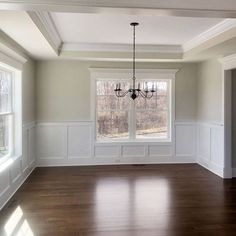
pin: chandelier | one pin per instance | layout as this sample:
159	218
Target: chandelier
133	91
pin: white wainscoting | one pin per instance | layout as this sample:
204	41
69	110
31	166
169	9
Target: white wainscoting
13	176
234	172
72	143
210	147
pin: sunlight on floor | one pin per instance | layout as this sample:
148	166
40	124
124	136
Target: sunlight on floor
17	225
121	202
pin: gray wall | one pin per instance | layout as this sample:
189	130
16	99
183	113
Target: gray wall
209	91
63	88
28	92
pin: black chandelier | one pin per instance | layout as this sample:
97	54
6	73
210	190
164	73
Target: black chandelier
133	91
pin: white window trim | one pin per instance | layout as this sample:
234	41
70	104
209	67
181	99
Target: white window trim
141	74
16	133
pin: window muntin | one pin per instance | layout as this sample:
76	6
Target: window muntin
6	113
126	120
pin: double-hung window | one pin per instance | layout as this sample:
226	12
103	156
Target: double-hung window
6	113
124	119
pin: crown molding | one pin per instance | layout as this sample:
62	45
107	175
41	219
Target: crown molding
203	8
48	29
9	49
228	62
124	70
102	47
211	33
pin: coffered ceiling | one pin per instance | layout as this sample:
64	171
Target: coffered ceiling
116	29
88	31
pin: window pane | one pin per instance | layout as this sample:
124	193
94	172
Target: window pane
159	100
107	87
151	124
4	135
5	92
112	125
111	102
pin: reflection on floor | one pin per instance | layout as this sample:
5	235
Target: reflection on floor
152	200
17	224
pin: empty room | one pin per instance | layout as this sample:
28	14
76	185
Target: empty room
117	118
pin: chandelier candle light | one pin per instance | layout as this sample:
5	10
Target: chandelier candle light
133	91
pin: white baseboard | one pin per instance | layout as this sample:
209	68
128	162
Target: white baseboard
216	169
92	161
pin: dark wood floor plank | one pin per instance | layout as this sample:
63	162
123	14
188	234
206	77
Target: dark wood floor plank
155	200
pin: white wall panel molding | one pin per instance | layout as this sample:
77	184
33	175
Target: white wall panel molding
73	143
185	140
79	140
4	183
210	147
14	175
234	172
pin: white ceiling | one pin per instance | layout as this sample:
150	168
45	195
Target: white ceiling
19	26
115	29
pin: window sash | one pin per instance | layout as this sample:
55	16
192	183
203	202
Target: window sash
132	112
11	74
10	137
10	115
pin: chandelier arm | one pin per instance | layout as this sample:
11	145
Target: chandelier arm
119	94
150	96
145	94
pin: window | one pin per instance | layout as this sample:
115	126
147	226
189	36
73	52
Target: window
122	119
6	113
10	113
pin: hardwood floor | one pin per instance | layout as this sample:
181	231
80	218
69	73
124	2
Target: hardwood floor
155	200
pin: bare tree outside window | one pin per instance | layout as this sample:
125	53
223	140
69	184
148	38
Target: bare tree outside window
5	111
112	112
114	116
152	114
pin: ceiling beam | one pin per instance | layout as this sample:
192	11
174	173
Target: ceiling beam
106	47
120	56
201	8
48	29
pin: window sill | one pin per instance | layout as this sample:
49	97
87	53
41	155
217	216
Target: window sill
8	162
135	142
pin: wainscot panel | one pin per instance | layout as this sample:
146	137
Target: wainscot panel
73	143
12	177
210	147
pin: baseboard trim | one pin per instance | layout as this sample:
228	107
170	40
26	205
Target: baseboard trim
93	161
218	170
